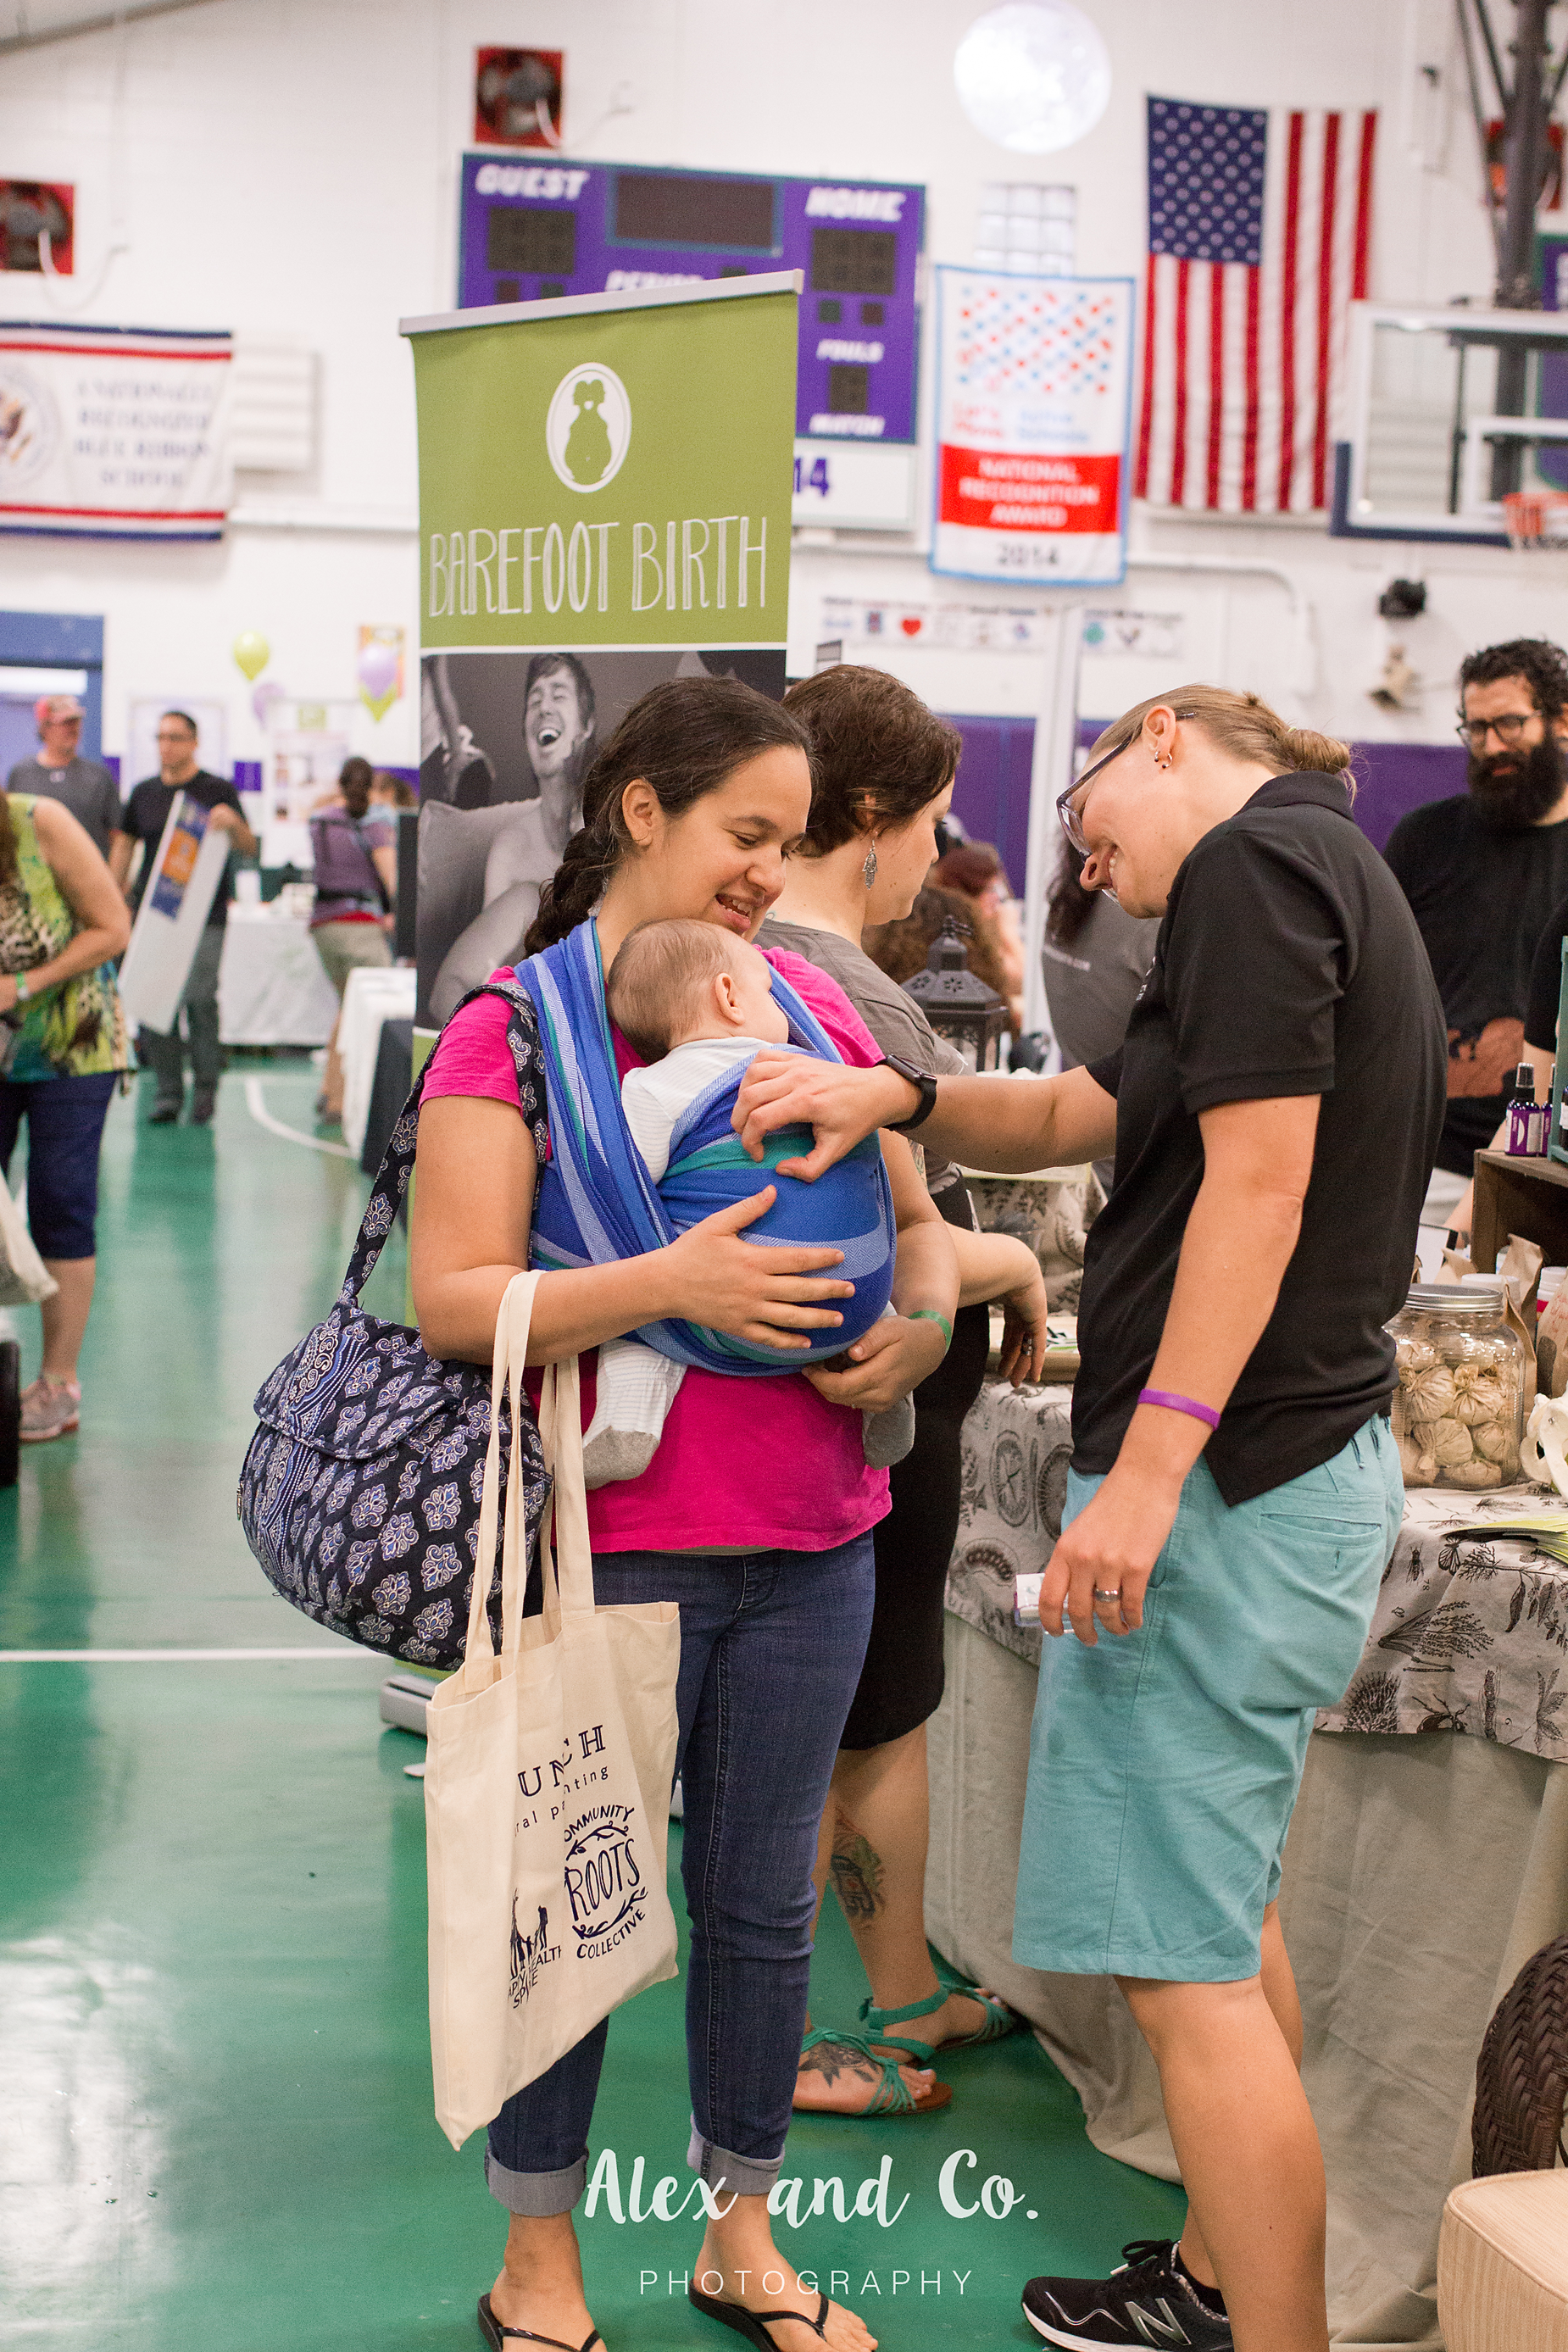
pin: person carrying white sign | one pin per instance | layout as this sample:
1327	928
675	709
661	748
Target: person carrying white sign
146	815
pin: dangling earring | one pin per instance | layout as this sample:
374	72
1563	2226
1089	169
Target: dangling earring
869	871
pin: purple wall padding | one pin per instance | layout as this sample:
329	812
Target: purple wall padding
991	793
1391	779
247	776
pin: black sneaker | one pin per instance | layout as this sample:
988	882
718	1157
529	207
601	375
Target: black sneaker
203	1102
1146	2304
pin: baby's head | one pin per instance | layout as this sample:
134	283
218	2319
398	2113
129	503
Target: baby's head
677	980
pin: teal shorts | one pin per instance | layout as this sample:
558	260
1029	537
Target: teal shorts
1165	1764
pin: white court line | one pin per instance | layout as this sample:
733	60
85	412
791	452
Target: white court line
255	1104
160	1658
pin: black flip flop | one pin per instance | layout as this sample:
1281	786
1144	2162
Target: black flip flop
753	2324
494	2332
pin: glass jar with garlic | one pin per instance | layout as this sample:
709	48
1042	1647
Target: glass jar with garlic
1459	1411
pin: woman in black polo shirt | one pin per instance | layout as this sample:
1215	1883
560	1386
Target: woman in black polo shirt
1234	1495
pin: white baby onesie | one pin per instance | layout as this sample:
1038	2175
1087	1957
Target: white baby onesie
637	1385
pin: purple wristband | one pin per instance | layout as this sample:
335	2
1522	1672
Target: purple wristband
1174	1403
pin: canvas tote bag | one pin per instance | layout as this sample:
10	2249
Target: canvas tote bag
24	1279
547	1785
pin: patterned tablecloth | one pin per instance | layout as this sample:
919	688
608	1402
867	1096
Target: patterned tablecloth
1470	1636
1052	1211
1017	1443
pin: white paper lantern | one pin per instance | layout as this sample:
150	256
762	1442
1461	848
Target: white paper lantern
1033	74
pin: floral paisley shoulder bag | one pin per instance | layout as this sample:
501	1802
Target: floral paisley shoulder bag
362	1488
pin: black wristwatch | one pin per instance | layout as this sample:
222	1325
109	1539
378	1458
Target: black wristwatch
917	1077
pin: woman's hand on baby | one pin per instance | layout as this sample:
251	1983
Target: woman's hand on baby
1024	1335
842	1104
772	1297
894	1357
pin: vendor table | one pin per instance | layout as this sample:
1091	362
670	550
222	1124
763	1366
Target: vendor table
272	989
389	1091
1427	1860
374	994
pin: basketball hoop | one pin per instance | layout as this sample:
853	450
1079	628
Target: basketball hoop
1536	518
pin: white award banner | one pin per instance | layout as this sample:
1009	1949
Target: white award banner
114	432
169	924
1034	403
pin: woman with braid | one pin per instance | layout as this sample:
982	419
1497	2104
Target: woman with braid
755	1514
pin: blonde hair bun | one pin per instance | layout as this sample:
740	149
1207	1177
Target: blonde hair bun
1242	724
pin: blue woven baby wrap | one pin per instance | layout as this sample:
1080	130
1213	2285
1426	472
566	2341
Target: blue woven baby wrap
598	1203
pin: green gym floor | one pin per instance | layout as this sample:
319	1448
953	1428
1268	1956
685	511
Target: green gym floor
215	2125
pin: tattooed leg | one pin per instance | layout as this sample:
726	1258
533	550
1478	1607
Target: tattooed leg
881	1806
857	1870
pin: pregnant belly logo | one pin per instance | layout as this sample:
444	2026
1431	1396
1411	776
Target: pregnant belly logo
588	427
603	1883
529	1953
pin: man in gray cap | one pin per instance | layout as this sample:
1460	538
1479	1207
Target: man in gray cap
59	773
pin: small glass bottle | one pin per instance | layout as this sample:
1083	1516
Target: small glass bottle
1527	1119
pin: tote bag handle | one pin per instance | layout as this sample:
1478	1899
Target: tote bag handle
569	1584
512	1319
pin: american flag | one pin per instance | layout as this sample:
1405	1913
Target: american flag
1260	233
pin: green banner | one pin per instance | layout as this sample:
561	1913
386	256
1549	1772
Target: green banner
604	491
610	476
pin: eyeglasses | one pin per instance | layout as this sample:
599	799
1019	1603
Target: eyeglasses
1509	729
1070	809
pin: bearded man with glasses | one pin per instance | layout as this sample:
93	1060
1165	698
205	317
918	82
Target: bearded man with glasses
1484	871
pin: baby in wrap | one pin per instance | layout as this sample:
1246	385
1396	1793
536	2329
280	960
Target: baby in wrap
697	1003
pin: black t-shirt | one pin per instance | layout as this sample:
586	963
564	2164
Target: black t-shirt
147	813
1481	897
1546	984
1286	963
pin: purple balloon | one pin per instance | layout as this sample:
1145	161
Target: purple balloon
263	696
378	667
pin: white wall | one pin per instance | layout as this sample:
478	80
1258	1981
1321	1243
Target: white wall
290	169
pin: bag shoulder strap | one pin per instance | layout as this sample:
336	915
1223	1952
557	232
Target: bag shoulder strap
397	1164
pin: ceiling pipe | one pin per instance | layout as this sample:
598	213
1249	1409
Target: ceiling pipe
105	21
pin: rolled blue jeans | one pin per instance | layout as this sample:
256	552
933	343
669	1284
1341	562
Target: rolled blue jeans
771	1648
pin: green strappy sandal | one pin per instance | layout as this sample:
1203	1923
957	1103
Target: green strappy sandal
892	2096
1000	2020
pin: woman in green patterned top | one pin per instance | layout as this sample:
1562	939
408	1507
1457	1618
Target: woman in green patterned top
62	1048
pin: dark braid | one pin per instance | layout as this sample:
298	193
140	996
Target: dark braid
592	856
683	739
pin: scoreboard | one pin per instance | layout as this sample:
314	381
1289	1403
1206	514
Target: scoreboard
532	230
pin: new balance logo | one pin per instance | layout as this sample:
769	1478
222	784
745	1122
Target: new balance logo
1166	2330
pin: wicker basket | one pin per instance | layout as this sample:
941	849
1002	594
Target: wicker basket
1522	2076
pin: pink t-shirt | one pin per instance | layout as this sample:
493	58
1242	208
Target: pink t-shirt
762	1464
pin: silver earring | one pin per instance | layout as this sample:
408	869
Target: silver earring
1164	762
869	871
